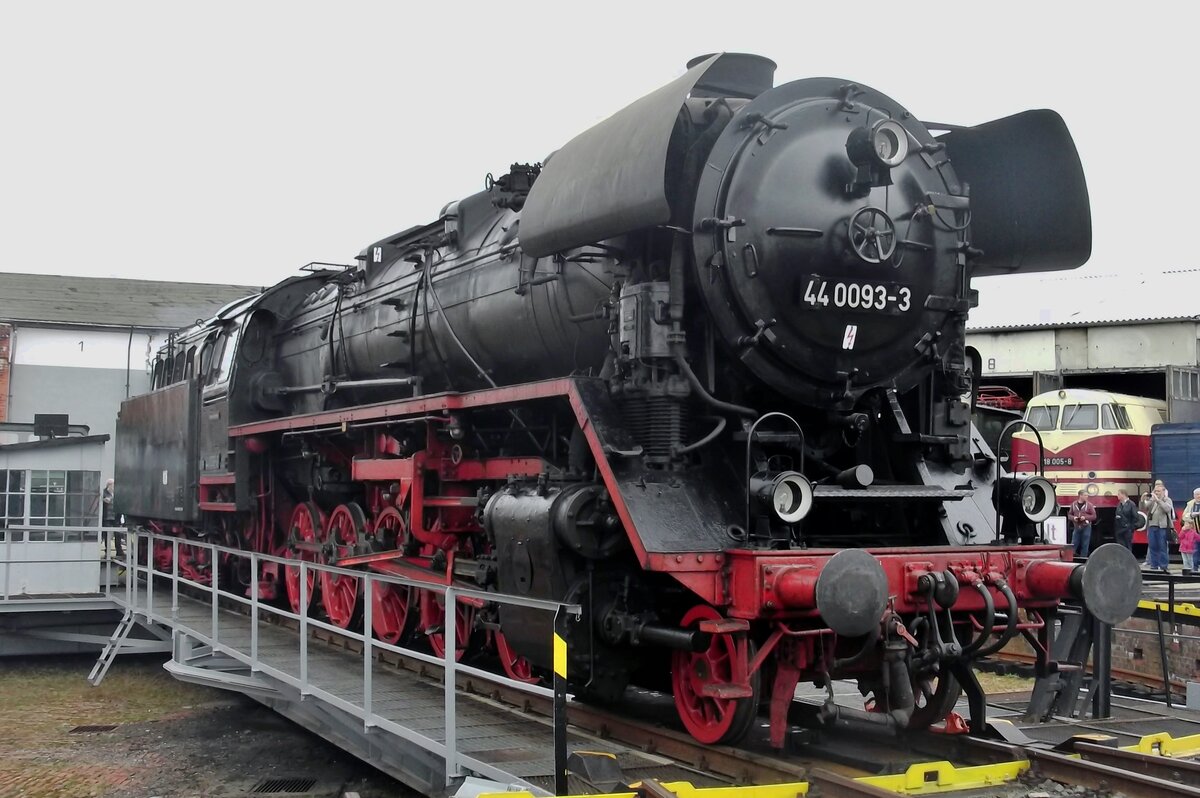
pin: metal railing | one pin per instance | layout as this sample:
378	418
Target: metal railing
1172	581
139	574
20	535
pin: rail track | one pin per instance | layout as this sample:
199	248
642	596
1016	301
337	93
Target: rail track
1024	664
985	767
1098	767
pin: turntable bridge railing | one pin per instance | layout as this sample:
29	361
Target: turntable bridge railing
230	635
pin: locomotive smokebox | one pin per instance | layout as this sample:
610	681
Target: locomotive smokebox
734	75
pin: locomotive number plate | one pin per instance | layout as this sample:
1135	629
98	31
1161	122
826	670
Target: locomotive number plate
872	297
1058	461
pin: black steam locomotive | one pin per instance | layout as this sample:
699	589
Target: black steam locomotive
703	371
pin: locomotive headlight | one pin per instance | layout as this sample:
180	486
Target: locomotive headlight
789	494
1092	489
1031	497
883	144
890	142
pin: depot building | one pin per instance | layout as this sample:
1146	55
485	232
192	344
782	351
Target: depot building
1132	334
79	346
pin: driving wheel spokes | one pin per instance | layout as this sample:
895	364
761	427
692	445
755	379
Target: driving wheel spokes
515	666
164	554
341	593
433	621
696	678
393	612
304	527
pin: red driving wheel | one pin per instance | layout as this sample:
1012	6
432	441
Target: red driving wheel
708	718
163	553
194	564
340	593
305	527
515	666
433	617
390	604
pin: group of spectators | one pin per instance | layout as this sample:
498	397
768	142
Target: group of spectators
1160	526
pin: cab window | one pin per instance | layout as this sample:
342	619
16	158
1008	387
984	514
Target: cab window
189	369
220	362
177	365
232	333
213	352
1080	417
157	381
1042	417
1107	419
1122	417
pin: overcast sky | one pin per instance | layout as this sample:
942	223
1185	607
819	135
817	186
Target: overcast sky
236	141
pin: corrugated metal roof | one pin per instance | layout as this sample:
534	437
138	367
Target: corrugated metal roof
156	304
1068	299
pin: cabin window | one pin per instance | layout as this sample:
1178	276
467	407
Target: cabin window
1107	419
189	370
1080	417
220	362
231	342
1042	417
212	359
49	498
156	381
178	363
1122	417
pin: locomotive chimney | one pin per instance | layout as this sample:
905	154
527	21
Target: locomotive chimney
734	75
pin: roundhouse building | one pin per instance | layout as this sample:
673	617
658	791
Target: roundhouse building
1135	333
81	345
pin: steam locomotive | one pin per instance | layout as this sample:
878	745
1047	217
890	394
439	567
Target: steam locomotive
703	372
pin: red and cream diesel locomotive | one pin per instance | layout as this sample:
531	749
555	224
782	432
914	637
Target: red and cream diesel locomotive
1093	441
703	372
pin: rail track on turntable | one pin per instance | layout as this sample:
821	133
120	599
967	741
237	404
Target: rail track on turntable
832	764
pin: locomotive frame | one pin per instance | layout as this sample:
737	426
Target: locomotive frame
622	395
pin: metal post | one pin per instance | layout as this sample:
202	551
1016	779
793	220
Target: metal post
1171	603
131	558
560	702
450	685
1102	670
216	591
8	536
1162	655
253	612
107	564
150	582
174	579
303	627
368	654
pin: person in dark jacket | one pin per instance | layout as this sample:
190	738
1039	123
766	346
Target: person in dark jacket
1082	515
1125	520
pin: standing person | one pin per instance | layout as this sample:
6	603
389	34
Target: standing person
1161	514
1192	508
109	517
1125	520
106	516
1188	538
1082	515
113	544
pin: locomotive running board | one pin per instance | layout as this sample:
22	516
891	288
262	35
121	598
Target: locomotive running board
670	520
